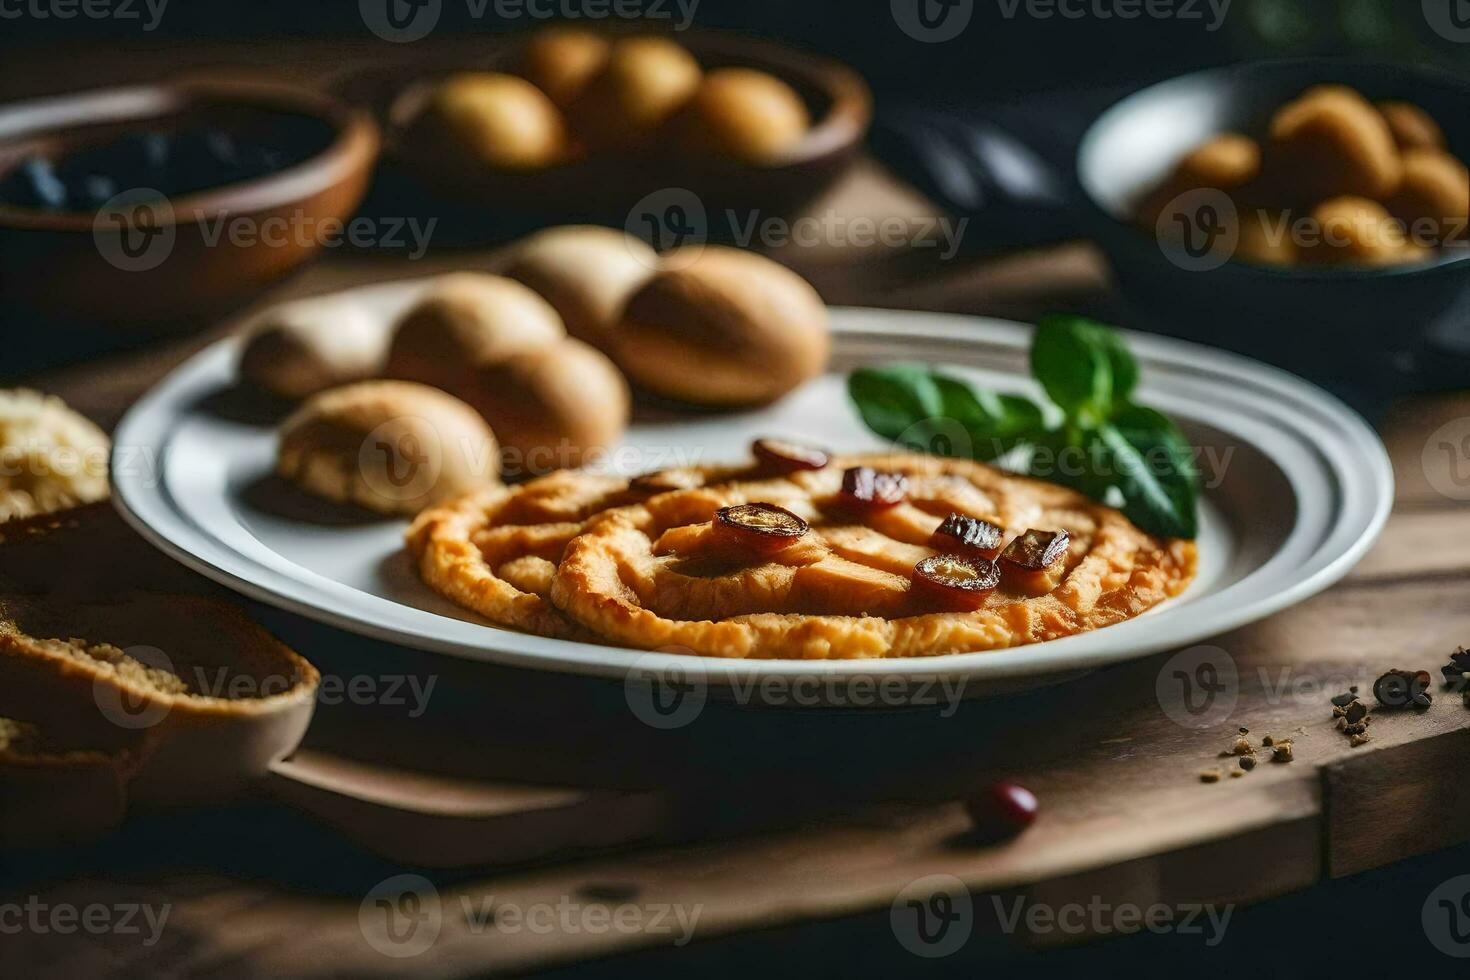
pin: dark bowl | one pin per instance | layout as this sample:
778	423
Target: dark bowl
142	260
1348	323
604	187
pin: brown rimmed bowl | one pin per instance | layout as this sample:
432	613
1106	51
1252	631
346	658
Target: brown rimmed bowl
149	261
605	186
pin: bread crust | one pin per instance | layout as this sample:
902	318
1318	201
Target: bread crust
111	695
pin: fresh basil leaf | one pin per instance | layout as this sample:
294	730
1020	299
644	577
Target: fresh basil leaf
994	423
1084	366
1073	458
942	415
1116	452
1153	465
893	399
1120	359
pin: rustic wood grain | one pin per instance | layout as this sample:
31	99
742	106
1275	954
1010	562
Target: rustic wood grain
1399	800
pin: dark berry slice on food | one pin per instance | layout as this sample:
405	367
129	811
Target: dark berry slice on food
956	581
868	489
968	536
784	456
1033	563
760	525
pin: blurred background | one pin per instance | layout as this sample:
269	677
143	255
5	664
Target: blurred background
1039	70
1001	53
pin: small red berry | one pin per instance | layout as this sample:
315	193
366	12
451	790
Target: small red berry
1002	810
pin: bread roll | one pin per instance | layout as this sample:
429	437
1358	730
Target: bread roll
393	447
299	349
586	273
551	406
465	320
727	328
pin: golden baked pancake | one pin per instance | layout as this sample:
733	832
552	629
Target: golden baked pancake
891	555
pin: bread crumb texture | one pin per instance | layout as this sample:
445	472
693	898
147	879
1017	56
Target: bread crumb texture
51	458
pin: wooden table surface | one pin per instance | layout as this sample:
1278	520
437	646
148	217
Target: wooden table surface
258	889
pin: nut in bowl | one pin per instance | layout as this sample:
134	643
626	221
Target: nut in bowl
1332	182
1242	261
595	122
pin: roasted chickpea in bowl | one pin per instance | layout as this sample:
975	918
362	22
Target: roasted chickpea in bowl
1342	181
1255	267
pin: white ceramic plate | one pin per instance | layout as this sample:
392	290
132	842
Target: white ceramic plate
1299	488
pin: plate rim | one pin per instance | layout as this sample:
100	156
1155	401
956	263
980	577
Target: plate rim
131	498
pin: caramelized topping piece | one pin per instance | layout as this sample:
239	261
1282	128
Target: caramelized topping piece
968	535
1036	550
788	457
1032	564
956	581
763	524
869	489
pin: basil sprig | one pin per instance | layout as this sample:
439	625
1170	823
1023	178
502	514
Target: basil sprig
1104	444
